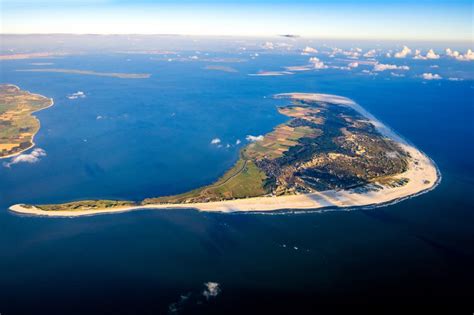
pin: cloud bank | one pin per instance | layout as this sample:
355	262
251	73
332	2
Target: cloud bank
468	56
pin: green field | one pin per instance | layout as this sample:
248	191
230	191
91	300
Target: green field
17	124
243	180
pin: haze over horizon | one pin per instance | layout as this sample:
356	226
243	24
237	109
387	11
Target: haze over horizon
340	19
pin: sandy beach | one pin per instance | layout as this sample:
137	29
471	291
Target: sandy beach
422	174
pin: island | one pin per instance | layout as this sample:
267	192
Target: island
329	154
88	72
35	55
18	126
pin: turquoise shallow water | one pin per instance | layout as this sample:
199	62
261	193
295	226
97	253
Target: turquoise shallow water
132	139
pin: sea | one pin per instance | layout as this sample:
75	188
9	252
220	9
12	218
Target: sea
135	138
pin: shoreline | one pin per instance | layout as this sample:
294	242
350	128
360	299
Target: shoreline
422	173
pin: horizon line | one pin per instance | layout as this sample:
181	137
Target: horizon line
288	36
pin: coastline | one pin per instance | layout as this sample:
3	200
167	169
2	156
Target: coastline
422	173
33	144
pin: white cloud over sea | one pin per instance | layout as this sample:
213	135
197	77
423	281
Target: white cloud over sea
251	138
76	95
216	141
431	76
468	56
431	54
32	157
317	64
383	67
403	53
211	290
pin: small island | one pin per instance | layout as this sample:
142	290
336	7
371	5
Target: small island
331	153
18	126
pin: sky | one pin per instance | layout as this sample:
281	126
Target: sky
339	19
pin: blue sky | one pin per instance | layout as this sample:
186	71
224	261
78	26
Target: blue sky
366	19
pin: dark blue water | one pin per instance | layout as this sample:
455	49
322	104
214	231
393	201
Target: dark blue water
153	138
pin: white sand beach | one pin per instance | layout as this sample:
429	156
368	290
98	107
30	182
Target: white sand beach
421	173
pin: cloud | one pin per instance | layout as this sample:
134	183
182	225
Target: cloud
399	75
455	79
32	157
352	54
270	73
216	141
237	142
212	289
429	55
268	45
353	65
310	50
382	67
403	53
370	54
317	64
251	138
431	76
468	56
78	94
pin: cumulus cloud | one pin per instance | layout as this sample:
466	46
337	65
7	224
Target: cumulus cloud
352	54
216	141
310	50
429	55
251	138
78	94
382	67
403	53
452	53
212	290
468	56
353	65
32	157
431	76
317	64
370	54
237	142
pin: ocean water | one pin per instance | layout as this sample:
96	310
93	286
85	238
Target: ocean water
131	139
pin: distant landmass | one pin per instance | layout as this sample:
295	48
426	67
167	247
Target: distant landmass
330	153
32	55
17	124
87	72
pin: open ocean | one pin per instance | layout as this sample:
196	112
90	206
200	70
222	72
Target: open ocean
131	139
